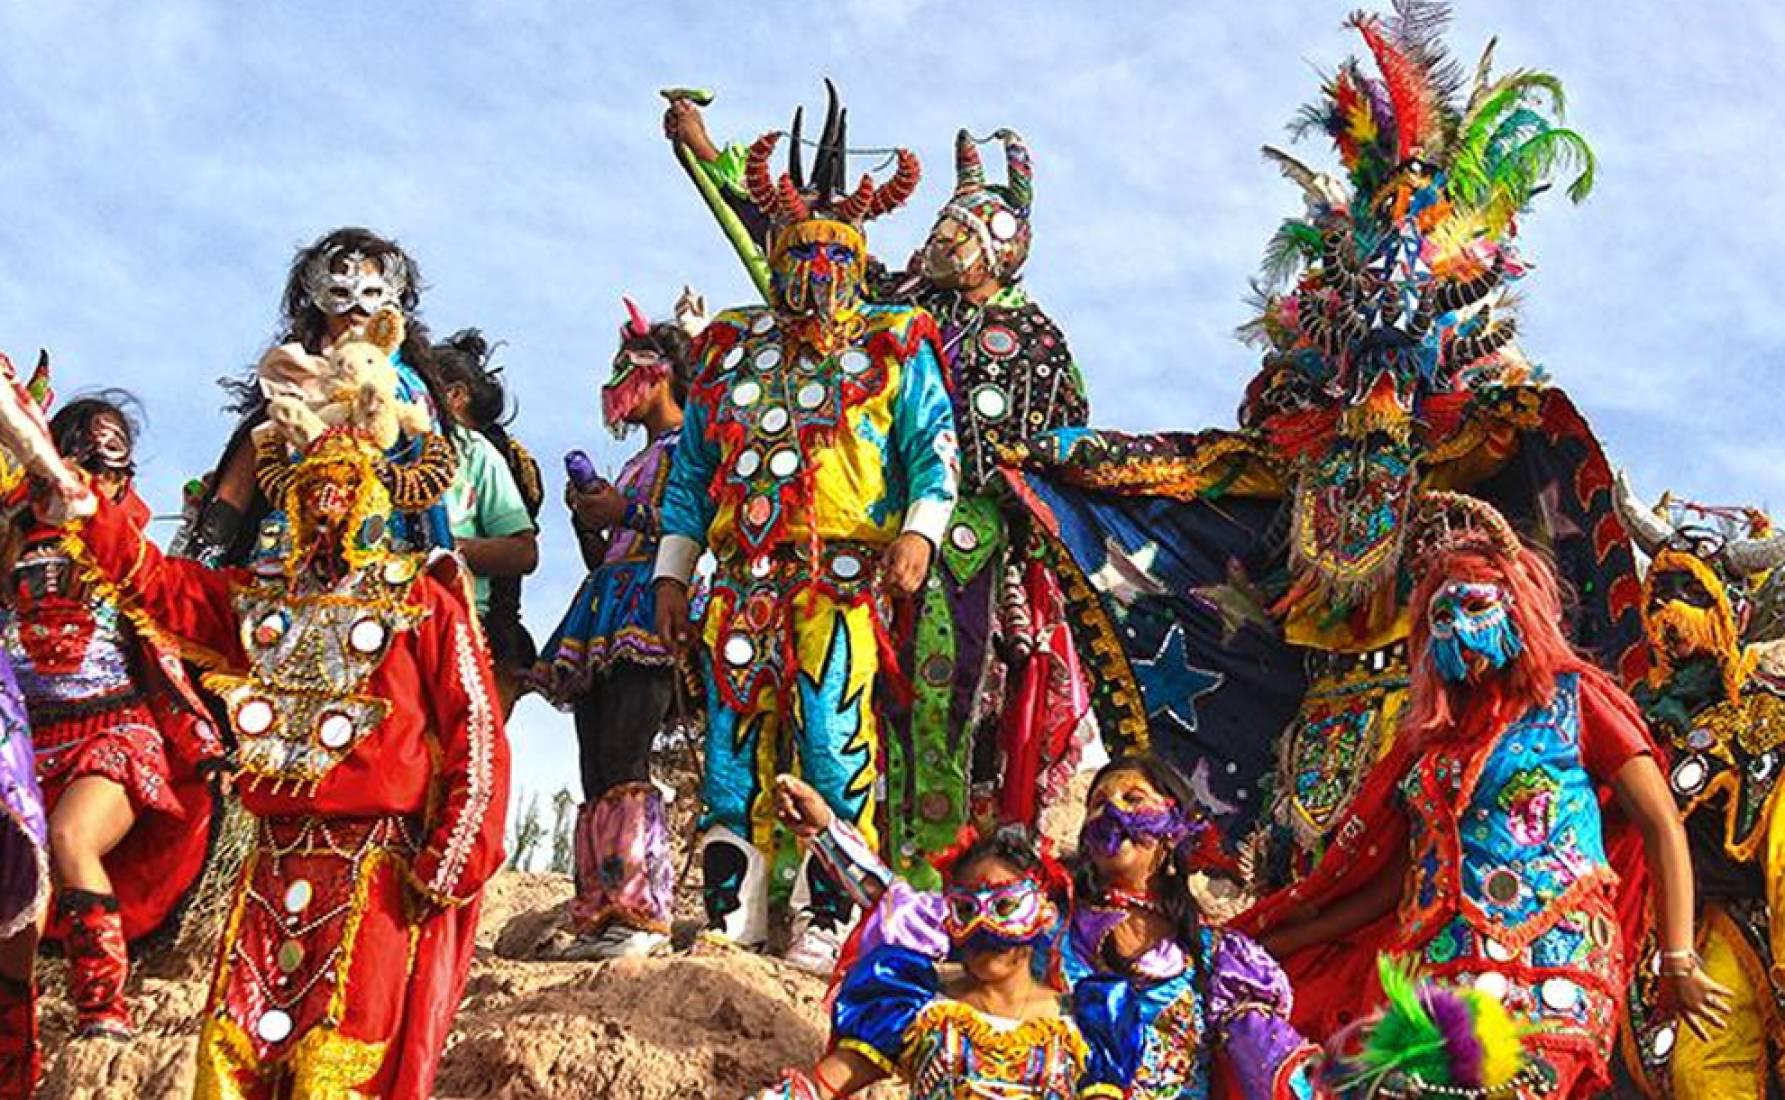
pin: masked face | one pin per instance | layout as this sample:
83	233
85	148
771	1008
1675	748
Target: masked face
638	372
1685	618
1130	826
954	257
340	282
996	912
1472	631
819	278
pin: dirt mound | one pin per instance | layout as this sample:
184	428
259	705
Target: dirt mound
709	1022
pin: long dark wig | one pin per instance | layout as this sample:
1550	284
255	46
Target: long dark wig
464	359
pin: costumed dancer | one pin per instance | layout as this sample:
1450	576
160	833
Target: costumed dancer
123	745
1151	895
493	504
1389	365
995	691
335	286
1721	718
999	1027
371	751
24	872
819	465
1478	848
606	663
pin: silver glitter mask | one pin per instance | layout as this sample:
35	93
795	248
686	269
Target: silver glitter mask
338	282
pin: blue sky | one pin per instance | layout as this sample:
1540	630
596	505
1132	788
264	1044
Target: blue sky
160	163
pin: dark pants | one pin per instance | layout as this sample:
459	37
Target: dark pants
616	722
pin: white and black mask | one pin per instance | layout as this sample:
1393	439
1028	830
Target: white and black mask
344	282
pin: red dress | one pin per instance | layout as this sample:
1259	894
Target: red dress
373	754
105	700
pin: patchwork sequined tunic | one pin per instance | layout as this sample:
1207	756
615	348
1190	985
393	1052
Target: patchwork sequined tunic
372	754
104	701
1010	376
1510	888
797	471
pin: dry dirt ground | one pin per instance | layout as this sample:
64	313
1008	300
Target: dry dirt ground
704	1022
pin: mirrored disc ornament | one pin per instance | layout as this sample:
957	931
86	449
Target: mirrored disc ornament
746	393
757	511
774	421
811	396
784	463
367	636
1004	225
1661	1042
1689	775
739	650
291	956
1492	984
998	342
298	895
733	357
761	567
271	627
255	717
768	358
1502	886
854	361
1700	739
965	538
1498	951
274	1026
399	570
1559	994
748	463
335	731
762	323
846	566
990	402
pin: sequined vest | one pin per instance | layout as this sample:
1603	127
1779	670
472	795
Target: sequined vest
1527	842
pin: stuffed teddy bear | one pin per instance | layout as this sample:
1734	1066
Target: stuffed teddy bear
352	385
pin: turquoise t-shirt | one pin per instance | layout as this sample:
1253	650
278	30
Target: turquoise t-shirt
483	501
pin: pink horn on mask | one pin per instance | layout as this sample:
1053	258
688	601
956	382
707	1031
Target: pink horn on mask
637	324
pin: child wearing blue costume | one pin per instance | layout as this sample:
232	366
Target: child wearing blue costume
987	1027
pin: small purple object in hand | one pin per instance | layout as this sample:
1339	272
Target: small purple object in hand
582	472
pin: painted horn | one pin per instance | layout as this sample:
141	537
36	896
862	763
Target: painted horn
1748	557
969	170
1019	175
637	324
1647	529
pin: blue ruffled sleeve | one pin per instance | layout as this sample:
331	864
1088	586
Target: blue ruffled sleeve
1108	1017
878	1000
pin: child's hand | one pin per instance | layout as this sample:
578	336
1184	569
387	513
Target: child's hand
800	807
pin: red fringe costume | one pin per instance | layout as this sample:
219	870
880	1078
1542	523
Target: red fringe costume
372	752
106	700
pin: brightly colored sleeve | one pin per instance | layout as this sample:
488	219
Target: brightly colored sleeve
1108	1017
879	999
851	862
1249	1006
688	507
463	845
929	452
184	604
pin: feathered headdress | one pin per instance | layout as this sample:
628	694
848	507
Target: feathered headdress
1416	241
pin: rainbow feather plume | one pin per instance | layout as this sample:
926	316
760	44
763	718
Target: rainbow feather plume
1439	1034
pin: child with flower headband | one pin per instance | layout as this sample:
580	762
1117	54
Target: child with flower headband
992	1027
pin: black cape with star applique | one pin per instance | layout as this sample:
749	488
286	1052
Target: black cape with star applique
1172	547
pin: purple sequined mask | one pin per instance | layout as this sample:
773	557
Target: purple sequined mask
1103	835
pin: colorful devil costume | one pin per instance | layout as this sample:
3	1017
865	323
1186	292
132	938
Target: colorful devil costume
371	751
1722	721
1389	366
816	433
1509	881
107	699
607	666
1010	376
